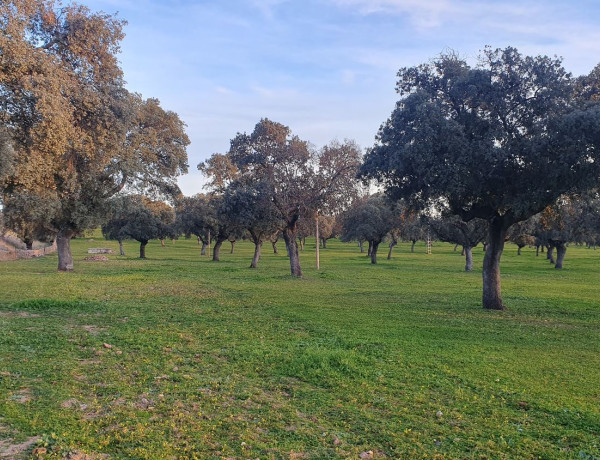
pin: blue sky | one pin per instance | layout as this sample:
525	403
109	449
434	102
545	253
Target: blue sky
325	68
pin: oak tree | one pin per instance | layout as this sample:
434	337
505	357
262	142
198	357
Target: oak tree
499	141
79	136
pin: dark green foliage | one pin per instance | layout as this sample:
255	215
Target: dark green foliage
138	218
500	142
369	220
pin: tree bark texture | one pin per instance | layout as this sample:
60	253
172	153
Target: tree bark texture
392	244
275	250
561	250
468	252
370	249
121	250
360	245
63	245
203	250
374	248
217	250
143	244
256	258
492	296
290	235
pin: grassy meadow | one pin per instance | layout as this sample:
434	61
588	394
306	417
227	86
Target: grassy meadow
180	357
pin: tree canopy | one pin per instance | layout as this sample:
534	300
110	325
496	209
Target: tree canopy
298	179
499	141
79	136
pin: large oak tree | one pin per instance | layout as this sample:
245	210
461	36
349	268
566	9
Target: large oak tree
499	141
79	136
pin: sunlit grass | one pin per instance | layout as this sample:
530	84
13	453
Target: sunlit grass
180	357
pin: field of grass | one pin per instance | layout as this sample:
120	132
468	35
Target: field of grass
180	357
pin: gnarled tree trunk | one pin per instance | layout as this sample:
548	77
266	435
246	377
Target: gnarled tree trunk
275	250
143	244
256	258
373	251
468	252
63	247
561	250
492	296
217	250
290	235
392	244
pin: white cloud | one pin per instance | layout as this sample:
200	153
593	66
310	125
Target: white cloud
223	90
267	7
423	13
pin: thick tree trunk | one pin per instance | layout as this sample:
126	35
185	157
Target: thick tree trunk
28	243
462	251
162	242
374	248
121	250
360	245
217	250
412	248
519	250
63	246
324	241
370	249
256	258
143	244
492	296
561	250
203	250
537	250
275	250
290	236
392	244
468	252
232	247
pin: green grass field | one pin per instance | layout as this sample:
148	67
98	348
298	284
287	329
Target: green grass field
180	357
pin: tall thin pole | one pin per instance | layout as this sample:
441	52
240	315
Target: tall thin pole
317	237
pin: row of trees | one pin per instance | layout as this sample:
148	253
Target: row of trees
371	219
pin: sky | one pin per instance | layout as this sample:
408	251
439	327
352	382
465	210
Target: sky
325	68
